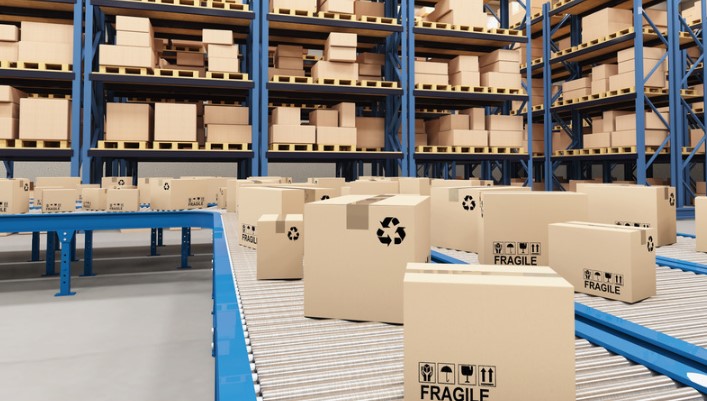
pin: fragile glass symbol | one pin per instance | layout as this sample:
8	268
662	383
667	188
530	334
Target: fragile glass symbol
467	370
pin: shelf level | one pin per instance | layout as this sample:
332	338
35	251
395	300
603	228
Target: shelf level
330	157
209	156
35	155
296	25
176	13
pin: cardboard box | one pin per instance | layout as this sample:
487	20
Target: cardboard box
58	182
335	70
126	56
499	55
477	118
116	182
600	86
347	114
512	139
289	51
339	39
371	239
132	24
370	132
222	133
9	33
604	71
342	54
370	187
226	115
289	63
217	37
609	119
605	22
560	141
45	119
463	137
414	186
596	141
222	198
256	201
431	79
324	118
312	193
190	59
652	53
9	51
123	200
609	261
212	186
628	80
218	64
337	6
458	17
471	182
652	121
581	83
628	138
177	194
501	80
456	214
430	67
486	349
648	65
135	39
293	134
305	5
464	63
9	127
370	70
454	121
280	247
280	71
286	116
634	205
175	122
504	123
47	33
45	52
371	58
327	135
222	51
506	242
466	78
59	200
700	222
14	196
129	122
369	9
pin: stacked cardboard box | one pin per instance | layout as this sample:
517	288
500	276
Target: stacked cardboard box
129	122
626	77
624	133
302	5
328	130
464	129
460	12
431	73
9	111
58	200
600	77
14	196
339	58
134	44
577	88
501	69
370	66
177	194
9	42
337	6
505	131
46	43
185	55
286	127
227	124
695	137
175	122
45	119
518	12
536	50
221	52
370	132
538	137
605	22
692	11
288	61
421	133
364	8
256	201
464	70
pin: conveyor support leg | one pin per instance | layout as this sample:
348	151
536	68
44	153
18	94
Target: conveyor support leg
88	255
65	280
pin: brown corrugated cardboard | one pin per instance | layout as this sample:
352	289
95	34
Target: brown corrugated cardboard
598	140
280	71
337	6
343	54
634	205
58	182
255	201
463	63
122	200
477	118
370	187
47	33
429	67
505	242
609	119
456	214
286	116
136	39
132	24
370	70
220	64
190	59
334	70
466	78
605	260
508	67
328	135
293	134
129	122
304	5
217	36
9	127
454	121
487	356
472	182
560	141
226	133
289	51
463	18
227	115
177	194
14	196
605	22
499	55
653	53
289	63
9	33
45	119
628	138
9	51
604	71
504	123
55	200
175	122
373	239
45	52
600	86
347	114
648	65
222	51
652	121
431	79
695	137
369	9
116	182
340	39
212	186
701	223
414	186
627	80
370	132
581	83
143	185
501	80
371	58
126	56
222	198
324	118
280	247
462	137
506	139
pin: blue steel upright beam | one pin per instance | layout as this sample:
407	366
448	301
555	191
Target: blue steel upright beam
260	161
76	94
640	104
88	254
529	89
9	168
65	280
88	56
677	112
547	89
408	82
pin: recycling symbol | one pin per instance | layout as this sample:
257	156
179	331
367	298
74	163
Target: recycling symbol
121	182
650	245
26	187
324	197
469	203
388	225
166	186
293	234
671	199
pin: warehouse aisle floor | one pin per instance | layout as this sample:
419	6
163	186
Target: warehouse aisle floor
686	226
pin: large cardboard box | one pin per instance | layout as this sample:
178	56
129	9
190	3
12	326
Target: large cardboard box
222	198
414	186
222	51
369	9
471	182
337	136
212	186
324	118
9	127
311	193
286	116
652	122
465	78
356	250
132	24
137	39
512	139
514	225
456	215
504	123
701	223
504	80
477	118
126	56
342	54
190	59
581	83
304	5
628	138
9	51
14	196
609	261
129	122
347	114
177	194
463	137
431	67
605	22
609	119
337	6
370	187
604	71
634	205
280	247
59	200
47	33
123	200
45	119
488	357
340	39
328	182
600	86
223	64
94	199
431	79
454	121
628	80
507	67
175	122
463	63
370	132
335	70
256	201
227	115
217	36
116	182
9	33
596	141
293	134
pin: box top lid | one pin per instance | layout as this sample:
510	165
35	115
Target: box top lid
600	226
527	276
273	218
378	200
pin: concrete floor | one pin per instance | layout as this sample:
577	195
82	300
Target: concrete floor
140	330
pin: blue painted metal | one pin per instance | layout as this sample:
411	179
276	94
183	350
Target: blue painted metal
692	267
65	273
438	257
408	81
9	168
35	247
88	254
687	235
153	242
640	94
686	213
50	257
529	89
76	86
160	237
88	95
186	247
547	98
260	162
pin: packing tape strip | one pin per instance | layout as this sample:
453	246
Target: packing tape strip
357	212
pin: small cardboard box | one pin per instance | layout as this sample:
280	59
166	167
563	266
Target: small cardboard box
463	137
464	63
652	122
217	36
337	6
289	51
371	58
280	247
581	83
129	122
370	187
370	70
465	78
604	71
9	127
431	67
471	182
212	186
222	51
293	134
600	86
484	356
226	115
369	9
14	196
190	59
414	186
512	139
651	53
289	63
499	55
337	53
370	132
10	94
223	64
504	123
286	116
45	119
605	22
132	24
701	222
324	118
311	192
507	241
628	80
609	119
609	261
221	133
431	79
634	205
596	141
256	201
507	67
116	182
494	79
454	121
9	33
47	33
347	114
126	56
58	182
9	51
59	200
340	39
177	194
336	136
233	187
123	200
371	240
335	70
477	118
136	39
94	198
304	5
175	122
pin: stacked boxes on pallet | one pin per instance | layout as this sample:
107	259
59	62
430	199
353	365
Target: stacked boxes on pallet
626	77
129	122
601	75
134	44
577	88
188	56
625	129
222	54
288	61
370	132
431	72
329	128
337	6
505	131
339	58
501	69
460	13
175	122
45	119
227	124
9	43
301	5
46	43
9	111
605	22
464	70
370	66
364	8
286	127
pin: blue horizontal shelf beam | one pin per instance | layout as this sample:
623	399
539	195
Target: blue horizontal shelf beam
215	156
467	158
276	88
281	21
35	155
42	75
179	11
169	82
332	157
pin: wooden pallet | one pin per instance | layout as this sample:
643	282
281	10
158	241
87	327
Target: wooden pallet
298	13
538	154
227	146
334	148
433	87
433	25
176	73
470	89
23	65
292	147
505	150
686	150
634	149
7	143
378	20
217	4
338	16
49	96
288	79
594	151
226	5
471	149
175	145
183	48
124	145
231	76
434	149
378	84
40	144
490	31
369	149
332	81
106	69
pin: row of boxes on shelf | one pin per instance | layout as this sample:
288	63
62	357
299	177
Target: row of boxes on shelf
33	118
471	127
37	42
466	13
359	8
498	69
135	46
618	129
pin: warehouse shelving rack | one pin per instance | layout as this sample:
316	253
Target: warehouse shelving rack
176	21
46	81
